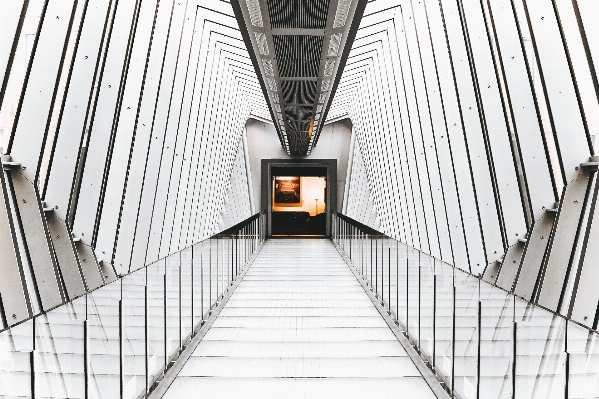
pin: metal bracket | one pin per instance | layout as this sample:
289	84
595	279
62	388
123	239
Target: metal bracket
8	164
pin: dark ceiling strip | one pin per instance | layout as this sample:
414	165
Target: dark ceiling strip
298	32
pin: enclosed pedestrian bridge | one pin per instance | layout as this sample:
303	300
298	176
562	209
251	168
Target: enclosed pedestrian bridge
299	199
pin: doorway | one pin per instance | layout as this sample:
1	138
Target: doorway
299	205
298	195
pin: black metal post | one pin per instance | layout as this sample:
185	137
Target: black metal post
121	347
407	291
351	232
397	280
202	287
146	348
514	356
210	277
217	277
180	305
389	282
419	299
85	359
165	325
33	356
382	272
453	343
362	238
433	363
371	254
192	295
478	343
566	365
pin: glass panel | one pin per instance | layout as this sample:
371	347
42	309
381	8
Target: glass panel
496	341
172	303
195	284
15	372
59	341
155	321
540	357
444	320
103	336
413	265
133	297
402	262
466	336
583	347
427	272
378	266
393	276
186	282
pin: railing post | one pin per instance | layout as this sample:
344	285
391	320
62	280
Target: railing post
419	299
351	232
202	288
180	305
210	276
382	272
397	280
433	363
192	295
33	359
217	273
566	365
165	322
229	257
389	282
453	342
407	291
85	359
121	346
371	253
361	254
478	344
514	356
146	351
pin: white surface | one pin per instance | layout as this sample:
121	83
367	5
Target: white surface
299	326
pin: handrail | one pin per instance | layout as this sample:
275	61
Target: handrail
375	233
369	252
180	291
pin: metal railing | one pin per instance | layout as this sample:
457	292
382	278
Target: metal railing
478	339
119	340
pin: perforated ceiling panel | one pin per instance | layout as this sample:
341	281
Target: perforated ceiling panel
299	48
306	14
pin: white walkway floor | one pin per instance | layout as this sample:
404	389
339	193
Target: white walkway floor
299	325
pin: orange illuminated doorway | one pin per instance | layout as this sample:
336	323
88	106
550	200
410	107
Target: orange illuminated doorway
299	205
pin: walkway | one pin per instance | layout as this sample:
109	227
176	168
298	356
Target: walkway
299	325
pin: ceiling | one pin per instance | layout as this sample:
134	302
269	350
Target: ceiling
299	49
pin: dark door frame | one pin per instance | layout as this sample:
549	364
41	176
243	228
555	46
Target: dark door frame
266	189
